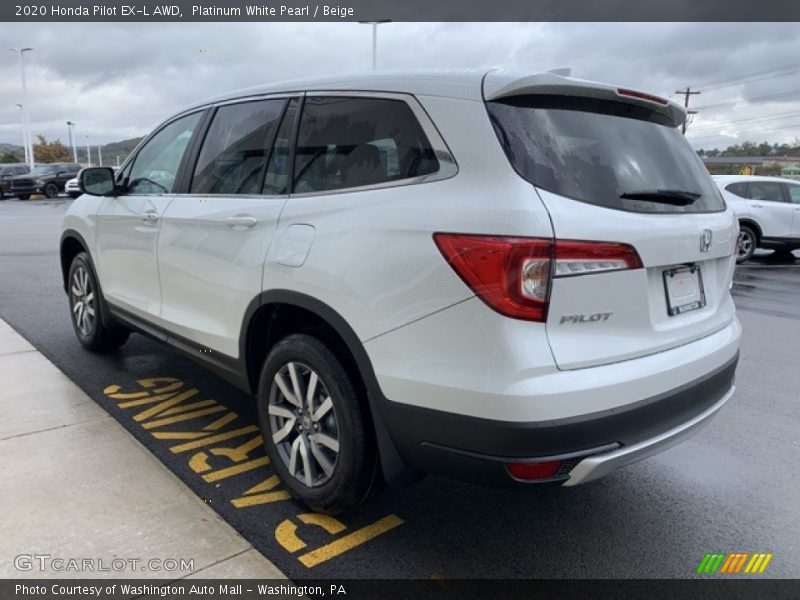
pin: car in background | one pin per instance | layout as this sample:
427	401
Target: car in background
72	189
46	179
6	173
768	209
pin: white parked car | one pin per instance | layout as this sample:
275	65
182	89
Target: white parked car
494	276
768	209
71	188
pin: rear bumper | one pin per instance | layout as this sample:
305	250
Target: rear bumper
602	464
590	445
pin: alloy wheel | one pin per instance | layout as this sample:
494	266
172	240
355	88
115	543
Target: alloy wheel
82	300
303	424
745	244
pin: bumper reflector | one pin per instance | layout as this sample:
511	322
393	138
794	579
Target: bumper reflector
533	471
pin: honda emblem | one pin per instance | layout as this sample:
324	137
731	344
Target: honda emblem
705	240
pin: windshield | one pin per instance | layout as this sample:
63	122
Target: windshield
44	170
612	154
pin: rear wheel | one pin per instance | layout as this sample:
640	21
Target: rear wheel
50	190
747	244
313	425
94	327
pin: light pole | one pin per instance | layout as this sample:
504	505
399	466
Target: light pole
99	156
24	134
70	125
88	153
375	39
26	119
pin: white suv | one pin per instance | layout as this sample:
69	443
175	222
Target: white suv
768	209
495	276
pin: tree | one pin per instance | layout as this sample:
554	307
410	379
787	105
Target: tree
8	156
51	152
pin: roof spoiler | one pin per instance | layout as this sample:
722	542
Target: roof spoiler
503	84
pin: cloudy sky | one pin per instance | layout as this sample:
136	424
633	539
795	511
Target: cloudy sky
116	80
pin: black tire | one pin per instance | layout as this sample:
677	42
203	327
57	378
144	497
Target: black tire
97	332
354	469
23	196
2	195
748	241
74	195
50	190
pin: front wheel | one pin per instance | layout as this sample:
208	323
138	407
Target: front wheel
314	427
93	326
50	190
747	244
23	196
74	195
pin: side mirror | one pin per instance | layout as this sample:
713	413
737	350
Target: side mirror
97	181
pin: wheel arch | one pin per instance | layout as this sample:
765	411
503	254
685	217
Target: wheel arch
71	244
276	313
752	225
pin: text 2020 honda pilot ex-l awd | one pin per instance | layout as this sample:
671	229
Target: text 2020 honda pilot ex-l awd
496	276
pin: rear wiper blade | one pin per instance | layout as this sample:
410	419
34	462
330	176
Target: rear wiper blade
676	197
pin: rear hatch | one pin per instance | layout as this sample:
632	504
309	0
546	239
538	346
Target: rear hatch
611	165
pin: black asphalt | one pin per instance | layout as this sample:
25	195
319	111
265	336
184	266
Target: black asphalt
731	488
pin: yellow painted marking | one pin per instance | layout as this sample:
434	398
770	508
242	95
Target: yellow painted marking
741	562
329	524
213	439
258	499
147	400
113	391
763	567
162	406
261	494
221	422
286	535
199	463
239	453
180	409
350	541
185	417
236	469
179	435
173	384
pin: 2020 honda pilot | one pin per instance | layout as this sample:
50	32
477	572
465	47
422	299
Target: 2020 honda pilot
495	276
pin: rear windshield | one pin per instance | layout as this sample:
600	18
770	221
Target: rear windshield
602	152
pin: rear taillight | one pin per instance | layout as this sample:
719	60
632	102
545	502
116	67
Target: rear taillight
512	274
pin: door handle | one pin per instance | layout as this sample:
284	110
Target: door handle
241	222
757	205
150	218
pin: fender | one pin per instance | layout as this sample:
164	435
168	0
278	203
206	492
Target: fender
395	471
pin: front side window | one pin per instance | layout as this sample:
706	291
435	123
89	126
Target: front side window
603	152
765	190
156	164
234	152
351	142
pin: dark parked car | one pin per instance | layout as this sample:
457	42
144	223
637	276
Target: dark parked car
44	179
6	173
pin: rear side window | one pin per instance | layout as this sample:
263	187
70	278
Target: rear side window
794	192
351	142
234	151
771	191
607	153
738	189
